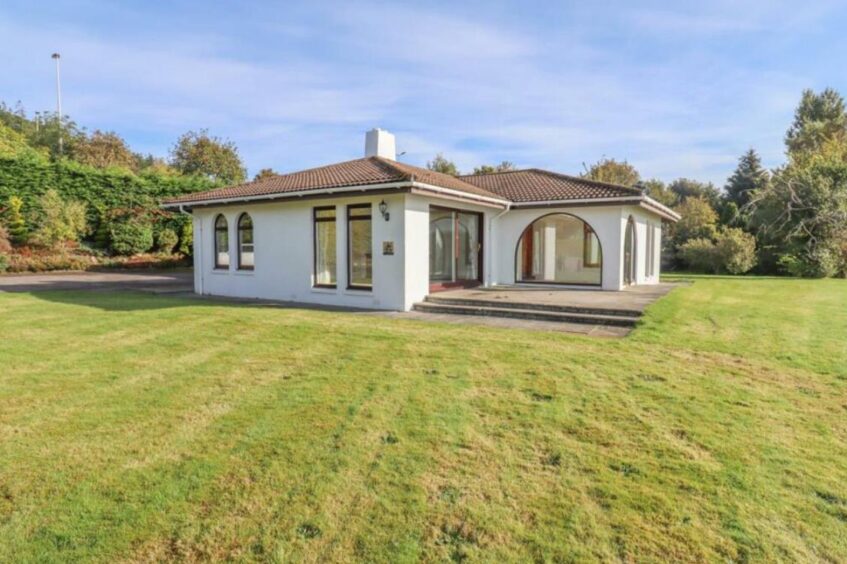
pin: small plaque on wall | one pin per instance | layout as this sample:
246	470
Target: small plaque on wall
388	247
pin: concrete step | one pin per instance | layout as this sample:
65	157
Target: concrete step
534	314
506	304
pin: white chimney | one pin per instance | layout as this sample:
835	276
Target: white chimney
380	143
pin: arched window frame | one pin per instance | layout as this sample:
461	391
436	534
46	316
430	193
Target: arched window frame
221	231
589	230
242	245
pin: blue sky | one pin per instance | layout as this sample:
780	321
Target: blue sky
677	88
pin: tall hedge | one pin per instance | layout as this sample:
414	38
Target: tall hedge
30	174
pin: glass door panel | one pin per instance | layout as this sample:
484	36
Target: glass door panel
441	245
467	246
455	247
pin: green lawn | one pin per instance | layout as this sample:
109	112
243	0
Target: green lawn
137	427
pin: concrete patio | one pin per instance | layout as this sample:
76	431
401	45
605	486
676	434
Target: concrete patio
632	299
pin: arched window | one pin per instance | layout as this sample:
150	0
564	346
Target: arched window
561	249
245	242
221	243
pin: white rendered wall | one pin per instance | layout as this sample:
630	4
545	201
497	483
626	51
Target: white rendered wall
643	219
605	220
284	249
284	254
417	242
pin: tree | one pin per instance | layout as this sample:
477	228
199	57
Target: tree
441	164
686	188
18	232
196	152
265	173
749	176
104	149
801	218
698	221
504	166
60	222
818	118
613	172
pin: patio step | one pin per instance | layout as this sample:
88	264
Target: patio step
535	314
506	304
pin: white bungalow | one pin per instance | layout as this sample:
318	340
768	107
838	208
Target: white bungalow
377	233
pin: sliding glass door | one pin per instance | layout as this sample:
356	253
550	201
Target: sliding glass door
455	248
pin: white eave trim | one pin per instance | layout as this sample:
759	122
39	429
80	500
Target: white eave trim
660	209
644	201
460	194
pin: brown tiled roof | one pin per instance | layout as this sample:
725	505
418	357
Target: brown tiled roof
359	172
534	185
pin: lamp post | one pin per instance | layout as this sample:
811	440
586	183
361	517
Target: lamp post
56	57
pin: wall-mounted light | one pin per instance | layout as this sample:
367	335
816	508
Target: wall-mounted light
383	209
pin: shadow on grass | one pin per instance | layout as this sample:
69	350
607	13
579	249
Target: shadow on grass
140	300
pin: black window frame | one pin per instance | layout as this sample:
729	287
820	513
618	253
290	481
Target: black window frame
350	219
224	229
315	221
239	231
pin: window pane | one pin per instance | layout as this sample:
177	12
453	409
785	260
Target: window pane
325	213
325	262
221	249
361	253
359	212
245	242
559	248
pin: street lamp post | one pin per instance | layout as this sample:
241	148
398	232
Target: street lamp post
56	58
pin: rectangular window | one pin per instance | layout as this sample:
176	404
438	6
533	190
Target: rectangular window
325	258
359	247
590	247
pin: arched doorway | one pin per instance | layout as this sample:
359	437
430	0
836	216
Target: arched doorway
629	253
559	248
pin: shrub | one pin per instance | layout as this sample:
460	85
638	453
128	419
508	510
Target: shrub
131	237
186	238
5	245
698	255
735	251
822	262
18	232
166	240
4	263
61	222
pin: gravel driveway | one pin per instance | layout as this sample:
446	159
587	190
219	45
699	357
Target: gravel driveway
160	281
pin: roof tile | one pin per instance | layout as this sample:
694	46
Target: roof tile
534	185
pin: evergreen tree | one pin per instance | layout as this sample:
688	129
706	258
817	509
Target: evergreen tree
819	118
749	175
18	232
